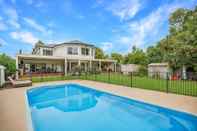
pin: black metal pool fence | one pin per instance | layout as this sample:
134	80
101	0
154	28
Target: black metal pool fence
160	81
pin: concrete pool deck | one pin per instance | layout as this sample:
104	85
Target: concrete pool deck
13	113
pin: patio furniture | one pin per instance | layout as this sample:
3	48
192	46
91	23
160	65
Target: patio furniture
20	83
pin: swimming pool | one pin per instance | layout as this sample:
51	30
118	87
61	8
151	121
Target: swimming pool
73	107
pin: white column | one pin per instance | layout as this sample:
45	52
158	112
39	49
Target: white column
69	66
65	66
90	65
85	66
17	70
79	63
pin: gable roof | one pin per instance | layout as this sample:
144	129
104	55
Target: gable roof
69	42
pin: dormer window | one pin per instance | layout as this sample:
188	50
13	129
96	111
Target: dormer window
85	51
72	51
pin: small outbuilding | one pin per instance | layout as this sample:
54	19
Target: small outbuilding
2	75
128	68
158	70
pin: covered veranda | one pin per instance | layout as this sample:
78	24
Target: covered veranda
32	65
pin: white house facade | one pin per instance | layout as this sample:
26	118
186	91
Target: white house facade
54	59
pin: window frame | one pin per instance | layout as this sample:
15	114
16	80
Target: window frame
47	52
85	51
72	50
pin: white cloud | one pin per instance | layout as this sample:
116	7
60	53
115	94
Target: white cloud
106	46
35	25
141	31
148	27
124	40
12	13
2	42
32	23
26	37
14	23
12	17
124	9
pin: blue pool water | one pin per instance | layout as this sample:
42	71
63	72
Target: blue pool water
73	107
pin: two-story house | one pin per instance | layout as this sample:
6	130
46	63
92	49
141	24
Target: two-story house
54	59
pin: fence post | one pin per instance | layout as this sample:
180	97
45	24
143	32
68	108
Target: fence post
131	79
94	75
86	75
109	76
167	82
40	76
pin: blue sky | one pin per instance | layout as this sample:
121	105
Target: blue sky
113	25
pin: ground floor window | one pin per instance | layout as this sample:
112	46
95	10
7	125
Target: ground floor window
46	68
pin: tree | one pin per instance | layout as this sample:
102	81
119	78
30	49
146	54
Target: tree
9	63
99	54
180	46
182	40
39	43
117	56
137	56
154	54
177	19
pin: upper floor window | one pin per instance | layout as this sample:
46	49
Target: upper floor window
72	51
47	52
85	51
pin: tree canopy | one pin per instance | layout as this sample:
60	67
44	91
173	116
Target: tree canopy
99	54
9	63
117	56
137	56
179	47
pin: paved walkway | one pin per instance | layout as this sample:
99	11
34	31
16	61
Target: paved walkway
13	108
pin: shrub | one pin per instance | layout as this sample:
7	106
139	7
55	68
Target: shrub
9	63
143	71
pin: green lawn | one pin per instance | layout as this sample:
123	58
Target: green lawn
178	87
53	78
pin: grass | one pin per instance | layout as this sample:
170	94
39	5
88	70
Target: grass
184	87
53	78
179	86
